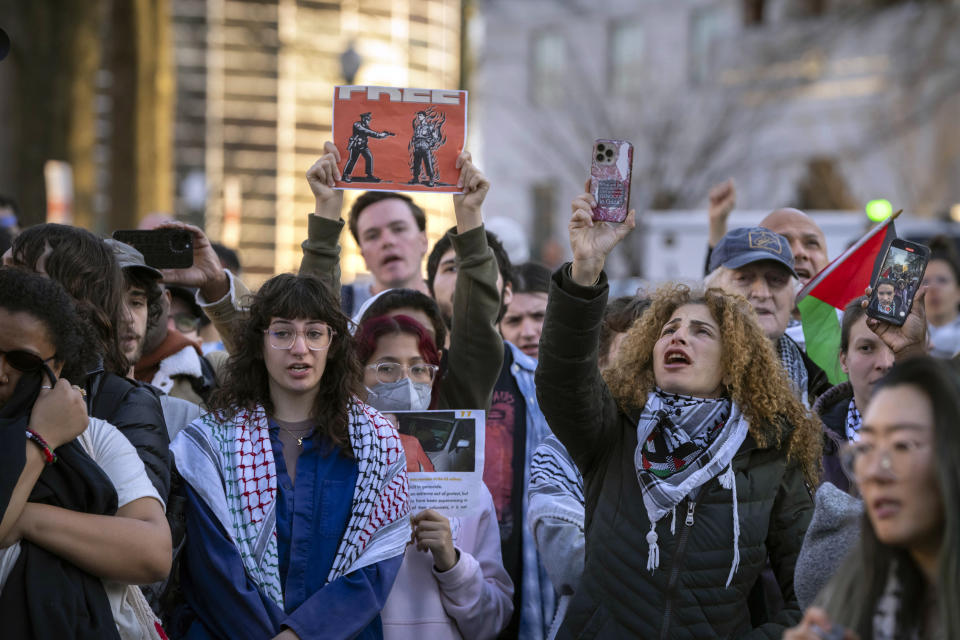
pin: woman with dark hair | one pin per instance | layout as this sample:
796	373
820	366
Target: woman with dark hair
902	581
460	589
400	362
80	521
693	444
85	266
297	494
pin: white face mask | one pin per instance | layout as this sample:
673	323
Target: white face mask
402	395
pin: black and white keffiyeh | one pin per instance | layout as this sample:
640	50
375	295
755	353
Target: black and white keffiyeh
690	440
791	359
556	486
854	420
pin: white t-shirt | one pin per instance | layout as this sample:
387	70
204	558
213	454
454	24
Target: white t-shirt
119	460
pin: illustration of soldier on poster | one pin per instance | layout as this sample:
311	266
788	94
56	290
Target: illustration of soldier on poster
397	139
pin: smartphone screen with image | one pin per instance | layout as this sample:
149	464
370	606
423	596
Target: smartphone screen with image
610	171
900	276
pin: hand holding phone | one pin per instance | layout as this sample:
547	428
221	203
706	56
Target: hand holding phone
610	172
898	281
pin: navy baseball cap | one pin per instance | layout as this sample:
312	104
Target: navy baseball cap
746	245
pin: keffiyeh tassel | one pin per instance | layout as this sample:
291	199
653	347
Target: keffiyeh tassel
653	550
729	481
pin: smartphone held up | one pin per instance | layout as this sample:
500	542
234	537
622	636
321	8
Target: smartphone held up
610	171
161	248
899	279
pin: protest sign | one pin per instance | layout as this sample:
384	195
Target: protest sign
394	139
444	452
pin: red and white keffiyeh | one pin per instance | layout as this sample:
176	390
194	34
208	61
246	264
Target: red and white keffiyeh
230	464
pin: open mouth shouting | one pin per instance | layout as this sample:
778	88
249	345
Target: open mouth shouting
675	359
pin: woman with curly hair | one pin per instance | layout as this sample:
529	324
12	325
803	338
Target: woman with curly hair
297	512
696	455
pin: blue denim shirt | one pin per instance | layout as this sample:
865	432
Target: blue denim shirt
312	515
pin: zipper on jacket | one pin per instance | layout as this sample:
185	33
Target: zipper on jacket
675	567
690	507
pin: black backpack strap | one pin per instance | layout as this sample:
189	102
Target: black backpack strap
106	392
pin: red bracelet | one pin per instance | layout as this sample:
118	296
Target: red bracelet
48	455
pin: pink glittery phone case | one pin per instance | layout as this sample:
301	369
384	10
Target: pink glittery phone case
610	172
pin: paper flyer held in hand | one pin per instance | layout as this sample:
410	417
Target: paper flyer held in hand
396	139
444	452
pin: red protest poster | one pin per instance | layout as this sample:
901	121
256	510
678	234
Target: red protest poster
394	139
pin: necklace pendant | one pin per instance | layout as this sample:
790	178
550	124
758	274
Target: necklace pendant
300	441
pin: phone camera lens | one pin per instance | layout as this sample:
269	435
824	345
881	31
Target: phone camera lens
609	153
599	157
601	147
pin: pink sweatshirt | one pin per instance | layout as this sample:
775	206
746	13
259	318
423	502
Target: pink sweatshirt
474	599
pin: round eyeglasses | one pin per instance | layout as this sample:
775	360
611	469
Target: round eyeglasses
388	372
317	338
25	361
859	457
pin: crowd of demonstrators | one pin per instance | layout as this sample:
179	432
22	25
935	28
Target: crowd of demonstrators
691	473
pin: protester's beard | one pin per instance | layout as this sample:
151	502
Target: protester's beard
156	334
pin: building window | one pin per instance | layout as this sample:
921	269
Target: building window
626	58
547	62
707	26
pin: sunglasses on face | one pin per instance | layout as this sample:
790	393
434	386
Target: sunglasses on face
25	361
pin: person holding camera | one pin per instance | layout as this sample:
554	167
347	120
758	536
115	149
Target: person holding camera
694	445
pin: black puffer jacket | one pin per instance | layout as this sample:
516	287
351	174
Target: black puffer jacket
832	408
134	409
685	597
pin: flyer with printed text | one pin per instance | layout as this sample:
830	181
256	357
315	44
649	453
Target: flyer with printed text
444	452
399	139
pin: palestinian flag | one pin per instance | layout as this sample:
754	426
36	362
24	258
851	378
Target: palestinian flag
833	288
